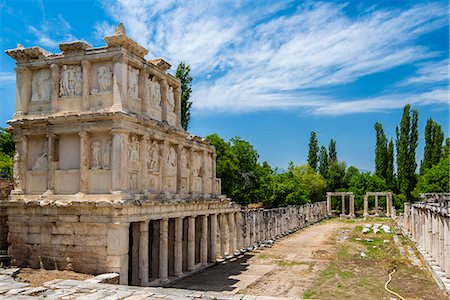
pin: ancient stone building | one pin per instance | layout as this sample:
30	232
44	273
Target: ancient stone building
107	180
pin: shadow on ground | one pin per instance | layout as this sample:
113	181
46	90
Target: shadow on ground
217	278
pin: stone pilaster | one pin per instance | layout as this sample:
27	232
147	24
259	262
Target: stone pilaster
52	163
120	82
164	87
55	87
204	241
213	180
177	97
163	165
24	77
191	244
85	158
143	253
163	250
144	180
179	167
20	165
191	174
86	84
119	159
213	238
178	247
204	179
117	250
143	75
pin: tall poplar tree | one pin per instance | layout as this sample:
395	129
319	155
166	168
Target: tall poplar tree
406	142
183	73
323	161
381	152
332	154
390	176
434	137
312	152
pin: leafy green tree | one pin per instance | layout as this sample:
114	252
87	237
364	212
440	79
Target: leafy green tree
183	73
323	161
406	143
365	182
434	179
315	184
447	148
351	172
381	152
434	137
332	153
313	149
6	152
335	176
287	189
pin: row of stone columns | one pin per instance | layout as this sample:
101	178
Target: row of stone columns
389	203
429	226
343	195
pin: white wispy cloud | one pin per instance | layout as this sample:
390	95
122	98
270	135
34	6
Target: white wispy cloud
430	72
7	77
52	32
256	59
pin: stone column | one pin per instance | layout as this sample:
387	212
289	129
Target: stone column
223	233
366	206
163	250
213	237
388	206
239	237
213	180
352	206
142	91
178	250
86	84
191	173
120	82
179	167
329	205
119	160
441	250
177	97
144	183
429	232
20	165
117	250
163	165
191	244
85	158
55	87
143	253
203	174
204	241
231	226
164	88
376	204
51	163
447	246
343	204
24	77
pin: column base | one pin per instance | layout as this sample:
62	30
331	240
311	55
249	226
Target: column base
17	192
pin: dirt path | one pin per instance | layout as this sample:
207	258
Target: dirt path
286	270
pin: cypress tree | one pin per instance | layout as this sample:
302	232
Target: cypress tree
332	154
323	161
381	152
183	73
406	142
313	149
390	177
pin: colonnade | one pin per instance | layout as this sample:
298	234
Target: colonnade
343	195
429	226
390	210
160	251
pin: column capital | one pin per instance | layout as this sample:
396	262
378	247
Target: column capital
120	59
83	134
54	67
85	63
115	131
20	70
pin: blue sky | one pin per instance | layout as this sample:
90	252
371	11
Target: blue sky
269	71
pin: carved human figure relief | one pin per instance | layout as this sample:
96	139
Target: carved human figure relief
106	161
153	91
71	81
96	157
170	99
184	158
153	156
41	162
41	85
172	158
134	149
132	81
104	79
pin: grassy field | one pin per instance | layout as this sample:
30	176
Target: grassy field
362	264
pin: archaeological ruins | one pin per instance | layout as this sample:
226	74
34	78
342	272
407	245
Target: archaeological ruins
107	180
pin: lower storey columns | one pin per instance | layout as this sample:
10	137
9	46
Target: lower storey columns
204	241
143	253
232	231
191	244
213	238
178	247
163	250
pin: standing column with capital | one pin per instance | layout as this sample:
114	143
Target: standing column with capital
164	88
142	91
178	247
144	179
85	158
86	84
120	82
143	253
119	160
55	88
191	244
24	78
163	165
179	167
163	250
204	241
213	238
177	96
52	163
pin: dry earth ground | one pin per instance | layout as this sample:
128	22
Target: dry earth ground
322	261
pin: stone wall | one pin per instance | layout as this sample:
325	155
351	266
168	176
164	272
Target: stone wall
6	186
428	224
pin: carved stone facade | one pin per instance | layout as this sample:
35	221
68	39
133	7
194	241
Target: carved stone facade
106	179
